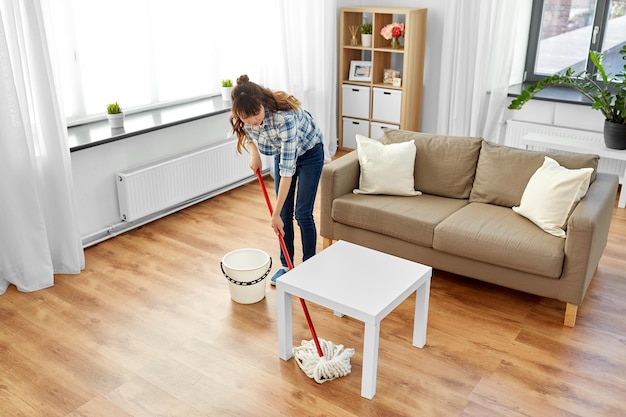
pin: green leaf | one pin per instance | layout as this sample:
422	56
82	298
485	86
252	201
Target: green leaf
608	96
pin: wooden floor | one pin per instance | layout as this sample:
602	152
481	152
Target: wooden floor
149	329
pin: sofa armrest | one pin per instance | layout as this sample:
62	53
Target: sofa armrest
587	235
339	177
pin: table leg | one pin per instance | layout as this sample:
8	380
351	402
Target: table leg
284	323
370	360
420	320
621	203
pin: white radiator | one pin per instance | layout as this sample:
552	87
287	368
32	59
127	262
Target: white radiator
515	131
174	181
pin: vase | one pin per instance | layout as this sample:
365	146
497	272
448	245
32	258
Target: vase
366	40
226	92
395	42
116	120
614	135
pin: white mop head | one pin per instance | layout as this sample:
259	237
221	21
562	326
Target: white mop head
334	364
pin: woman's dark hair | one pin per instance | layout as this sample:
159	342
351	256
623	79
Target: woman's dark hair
248	97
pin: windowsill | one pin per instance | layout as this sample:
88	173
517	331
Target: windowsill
98	133
556	94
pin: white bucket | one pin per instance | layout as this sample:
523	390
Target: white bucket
246	270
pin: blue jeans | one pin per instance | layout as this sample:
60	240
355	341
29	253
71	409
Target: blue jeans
300	201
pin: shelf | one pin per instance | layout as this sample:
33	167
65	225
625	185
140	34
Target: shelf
387	86
389	49
359	47
408	60
378	49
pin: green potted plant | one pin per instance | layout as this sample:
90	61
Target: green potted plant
115	115
607	96
366	34
227	88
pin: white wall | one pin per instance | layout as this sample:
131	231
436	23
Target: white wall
94	168
574	116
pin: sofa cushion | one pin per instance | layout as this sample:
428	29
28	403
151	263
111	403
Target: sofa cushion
412	219
551	194
444	165
503	172
498	236
385	169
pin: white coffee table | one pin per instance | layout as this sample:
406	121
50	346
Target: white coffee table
359	282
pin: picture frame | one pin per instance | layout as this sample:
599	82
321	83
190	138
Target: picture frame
389	75
360	71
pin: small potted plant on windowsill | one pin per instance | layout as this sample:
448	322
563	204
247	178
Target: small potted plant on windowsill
607	96
366	35
115	115
227	88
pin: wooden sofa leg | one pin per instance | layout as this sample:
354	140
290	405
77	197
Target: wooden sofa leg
570	314
326	242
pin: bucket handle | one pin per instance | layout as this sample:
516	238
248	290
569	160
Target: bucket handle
246	283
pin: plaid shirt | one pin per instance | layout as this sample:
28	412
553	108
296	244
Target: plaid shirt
288	133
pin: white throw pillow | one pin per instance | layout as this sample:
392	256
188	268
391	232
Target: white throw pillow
551	194
386	169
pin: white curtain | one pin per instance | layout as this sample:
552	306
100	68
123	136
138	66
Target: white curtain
39	234
286	45
477	61
304	61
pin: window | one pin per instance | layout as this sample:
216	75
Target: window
147	53
562	32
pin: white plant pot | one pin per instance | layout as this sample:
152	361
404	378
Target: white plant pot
226	93
366	40
116	120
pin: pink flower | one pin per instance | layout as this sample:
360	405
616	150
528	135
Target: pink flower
393	30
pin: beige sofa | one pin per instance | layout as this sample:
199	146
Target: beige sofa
464	223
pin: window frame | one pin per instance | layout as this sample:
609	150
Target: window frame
600	21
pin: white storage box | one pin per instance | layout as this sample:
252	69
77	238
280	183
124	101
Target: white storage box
387	105
350	129
377	129
355	101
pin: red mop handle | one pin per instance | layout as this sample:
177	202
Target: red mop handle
290	265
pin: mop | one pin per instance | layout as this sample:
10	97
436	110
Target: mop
319	359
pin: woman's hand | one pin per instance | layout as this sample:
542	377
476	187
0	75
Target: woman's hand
255	163
277	224
255	158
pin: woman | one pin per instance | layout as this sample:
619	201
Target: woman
273	123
